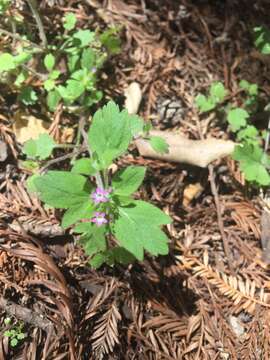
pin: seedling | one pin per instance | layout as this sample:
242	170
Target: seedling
254	162
65	71
113	226
15	332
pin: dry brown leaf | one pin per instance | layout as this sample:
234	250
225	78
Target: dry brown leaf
133	95
191	191
67	135
182	150
28	127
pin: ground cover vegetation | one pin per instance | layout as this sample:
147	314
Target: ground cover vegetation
106	254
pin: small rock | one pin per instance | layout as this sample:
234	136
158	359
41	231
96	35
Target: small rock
236	326
3	151
133	96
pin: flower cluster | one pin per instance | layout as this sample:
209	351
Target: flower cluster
99	219
100	195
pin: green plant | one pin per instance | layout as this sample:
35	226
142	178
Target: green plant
64	70
4	5
262	39
253	160
113	226
216	96
14	333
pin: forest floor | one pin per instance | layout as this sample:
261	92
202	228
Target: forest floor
197	302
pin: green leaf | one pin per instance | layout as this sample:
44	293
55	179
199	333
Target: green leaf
20	78
70	21
84	227
7	62
110	257
30	148
244	84
49	62
62	189
22	58
122	200
251	89
84	167
88	59
53	99
49	84
110	39
13	342
54	74
30	184
127	181
73	61
20	336
237	118
252	163
94	241
72	91
137	229
262	39
204	104
78	212
121	255
45	146
136	124
92	98
159	144
30	165
28	96
4	4
41	148
110	133
98	260
7	321
85	37
249	132
217	92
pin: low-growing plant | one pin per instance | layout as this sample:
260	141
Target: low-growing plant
15	332
64	70
253	160
113	225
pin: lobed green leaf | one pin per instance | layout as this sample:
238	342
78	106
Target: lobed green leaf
62	189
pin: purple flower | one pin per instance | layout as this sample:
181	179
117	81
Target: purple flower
99	219
100	195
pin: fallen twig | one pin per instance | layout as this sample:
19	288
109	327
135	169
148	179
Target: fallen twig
219	217
182	150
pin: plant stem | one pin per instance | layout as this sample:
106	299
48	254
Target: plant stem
39	75
67	146
266	145
61	158
98	176
33	6
18	37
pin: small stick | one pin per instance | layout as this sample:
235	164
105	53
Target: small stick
219	217
19	38
62	158
86	143
33	6
266	145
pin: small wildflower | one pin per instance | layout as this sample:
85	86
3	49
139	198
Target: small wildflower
100	195
99	218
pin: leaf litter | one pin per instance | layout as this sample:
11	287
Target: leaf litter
197	303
